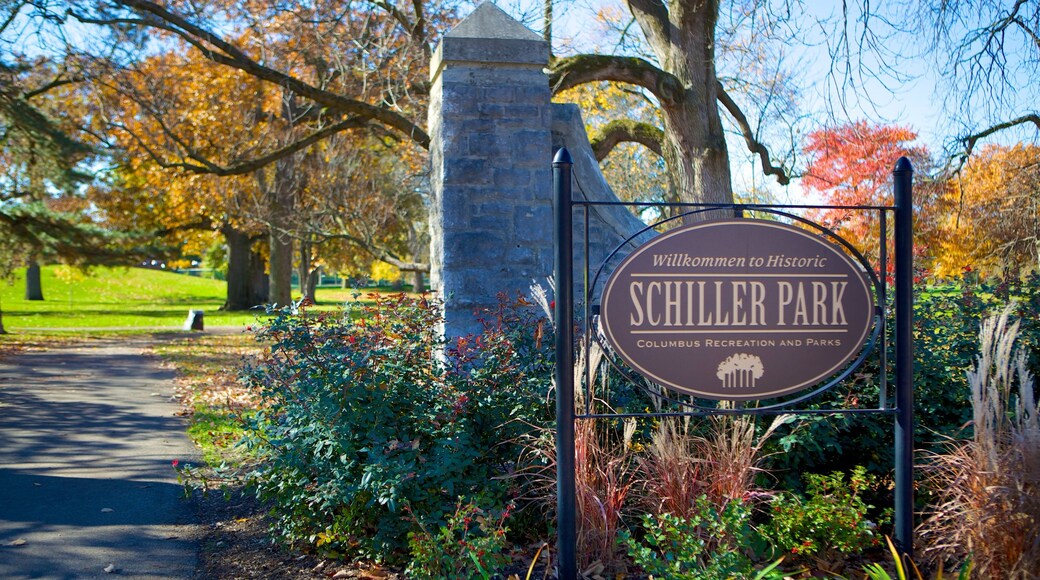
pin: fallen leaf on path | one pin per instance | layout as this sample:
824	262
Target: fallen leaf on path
111	569
107	510
18	542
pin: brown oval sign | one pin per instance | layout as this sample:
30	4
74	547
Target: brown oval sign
737	309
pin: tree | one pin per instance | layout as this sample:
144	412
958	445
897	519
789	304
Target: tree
987	51
40	178
363	68
168	104
985	62
851	165
992	224
188	212
315	58
369	193
683	81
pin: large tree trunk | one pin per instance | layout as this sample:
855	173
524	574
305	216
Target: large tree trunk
259	284
308	277
280	269
313	277
695	144
2	331
280	196
245	277
33	285
681	35
418	281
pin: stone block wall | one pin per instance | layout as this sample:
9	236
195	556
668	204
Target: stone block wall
491	214
493	129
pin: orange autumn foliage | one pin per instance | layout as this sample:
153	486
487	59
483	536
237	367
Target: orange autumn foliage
993	220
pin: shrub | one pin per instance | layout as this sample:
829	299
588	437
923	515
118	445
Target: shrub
988	488
468	545
829	523
705	545
366	412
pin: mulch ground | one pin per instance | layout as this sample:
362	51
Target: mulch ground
235	545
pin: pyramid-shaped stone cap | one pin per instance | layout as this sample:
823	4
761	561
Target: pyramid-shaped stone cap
490	21
490	36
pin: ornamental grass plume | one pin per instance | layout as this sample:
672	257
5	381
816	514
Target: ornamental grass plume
602	481
602	478
721	464
671	471
732	453
988	488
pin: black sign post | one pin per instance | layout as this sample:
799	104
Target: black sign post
566	528
902	178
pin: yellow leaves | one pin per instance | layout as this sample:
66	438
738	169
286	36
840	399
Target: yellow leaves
611	15
382	271
992	214
602	102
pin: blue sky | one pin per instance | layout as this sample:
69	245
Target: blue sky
916	100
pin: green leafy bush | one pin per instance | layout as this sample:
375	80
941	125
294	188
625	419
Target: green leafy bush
830	522
369	411
468	545
704	546
946	324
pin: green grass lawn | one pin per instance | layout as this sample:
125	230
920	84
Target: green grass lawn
125	298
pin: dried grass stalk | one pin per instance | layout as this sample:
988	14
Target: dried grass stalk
670	473
722	465
602	482
602	477
988	506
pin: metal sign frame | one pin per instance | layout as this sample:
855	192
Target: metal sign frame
902	411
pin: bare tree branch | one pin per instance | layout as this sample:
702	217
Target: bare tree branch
54	84
365	243
204	165
218	50
1027	30
753	144
416	28
572	71
970	141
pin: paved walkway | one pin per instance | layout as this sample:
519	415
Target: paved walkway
87	437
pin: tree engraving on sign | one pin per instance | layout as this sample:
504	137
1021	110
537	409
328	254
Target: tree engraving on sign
740	370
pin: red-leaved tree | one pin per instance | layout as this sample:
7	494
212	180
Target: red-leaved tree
851	165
